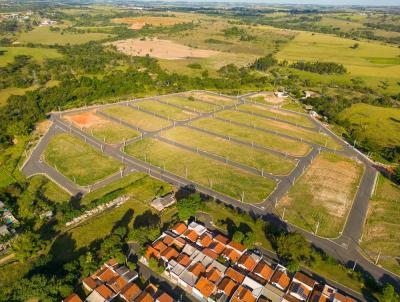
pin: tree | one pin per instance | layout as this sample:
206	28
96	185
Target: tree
396	174
187	207
293	248
249	240
264	63
238	237
27	245
389	294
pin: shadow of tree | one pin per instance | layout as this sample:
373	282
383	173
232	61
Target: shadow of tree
147	219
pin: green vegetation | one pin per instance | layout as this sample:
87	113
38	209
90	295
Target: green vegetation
249	135
167	111
190	103
189	206
112	133
233	151
320	67
280	127
50	191
136	118
38	53
79	161
322	197
207	172
382	224
264	63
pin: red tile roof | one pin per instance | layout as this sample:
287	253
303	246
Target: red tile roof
231	254
217	247
205	240
112	263
151	252
263	270
281	278
221	239
237	246
144	297
213	275
117	284
206	287
164	297
210	253
104	291
72	298
305	279
90	282
183	259
160	246
107	275
227	285
243	294
130	291
191	235
180	228
170	253
248	262
168	240
197	269
180	242
234	275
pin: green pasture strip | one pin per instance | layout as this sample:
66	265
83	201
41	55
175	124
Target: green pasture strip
194	105
169	112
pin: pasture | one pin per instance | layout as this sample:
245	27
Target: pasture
233	151
189	103
322	197
207	172
381	229
39	54
101	128
79	161
270	141
169	112
145	121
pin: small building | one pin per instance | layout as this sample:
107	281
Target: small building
72	298
161	203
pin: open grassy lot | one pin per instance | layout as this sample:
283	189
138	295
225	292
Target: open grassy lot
379	125
280	127
299	119
381	230
266	97
43	35
7	92
167	111
294	106
101	128
191	104
249	135
38	53
207	172
141	189
212	98
49	190
78	160
359	62
136	118
246	155
323	194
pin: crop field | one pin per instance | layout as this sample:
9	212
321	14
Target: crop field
291	130
227	149
101	128
381	230
43	35
136	118
249	135
298	119
39	54
323	194
207	172
79	161
190	104
219	100
169	112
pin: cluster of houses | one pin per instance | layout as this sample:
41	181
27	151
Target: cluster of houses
7	221
116	282
211	267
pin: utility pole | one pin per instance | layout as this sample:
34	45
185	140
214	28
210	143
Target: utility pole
121	171
377	258
316	228
243	196
283	214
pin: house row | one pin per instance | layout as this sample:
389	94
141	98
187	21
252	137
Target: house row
113	281
212	268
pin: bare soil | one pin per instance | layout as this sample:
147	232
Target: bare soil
86	119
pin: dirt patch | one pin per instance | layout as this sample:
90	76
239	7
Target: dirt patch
140	22
162	49
42	127
269	97
86	119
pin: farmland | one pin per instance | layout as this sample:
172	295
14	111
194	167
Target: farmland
79	161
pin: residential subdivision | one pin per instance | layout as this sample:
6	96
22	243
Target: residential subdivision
211	267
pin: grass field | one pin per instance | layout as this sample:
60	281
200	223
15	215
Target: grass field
50	191
249	135
212	98
381	230
7	92
43	35
279	114
246	155
379	125
359	62
78	160
136	118
266	97
194	105
103	129
280	127
323	194
169	112
207	172
38	53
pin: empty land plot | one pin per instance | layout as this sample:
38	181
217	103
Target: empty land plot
106	130
249	135
323	194
136	118
207	172
212	98
298	119
169	112
78	160
291	130
190	104
267	97
242	154
381	230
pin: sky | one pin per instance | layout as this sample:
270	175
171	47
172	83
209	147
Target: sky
321	2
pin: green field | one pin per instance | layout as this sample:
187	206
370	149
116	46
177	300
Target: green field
280	127
136	118
207	172
309	46
169	112
43	35
212	98
379	125
323	195
50	191
38	53
298	119
242	154
381	230
78	160
187	103
249	135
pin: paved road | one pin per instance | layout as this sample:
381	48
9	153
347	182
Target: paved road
345	248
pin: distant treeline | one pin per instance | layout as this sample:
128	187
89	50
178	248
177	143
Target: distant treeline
320	67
